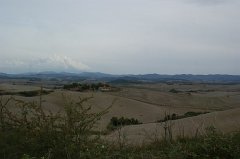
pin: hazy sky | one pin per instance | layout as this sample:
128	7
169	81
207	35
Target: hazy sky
120	36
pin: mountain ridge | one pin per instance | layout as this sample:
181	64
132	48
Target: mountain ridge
129	78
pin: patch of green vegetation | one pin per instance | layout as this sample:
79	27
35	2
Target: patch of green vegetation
27	93
33	93
6	93
84	86
190	114
174	91
175	116
196	91
189	91
116	122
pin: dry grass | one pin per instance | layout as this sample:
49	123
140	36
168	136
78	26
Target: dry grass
224	121
149	103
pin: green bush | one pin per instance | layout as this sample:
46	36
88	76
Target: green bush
27	93
174	91
190	114
175	116
84	86
119	122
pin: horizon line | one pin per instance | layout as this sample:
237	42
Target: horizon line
76	73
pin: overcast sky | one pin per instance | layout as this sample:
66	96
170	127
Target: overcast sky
120	36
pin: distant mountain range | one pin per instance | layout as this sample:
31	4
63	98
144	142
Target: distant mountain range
145	78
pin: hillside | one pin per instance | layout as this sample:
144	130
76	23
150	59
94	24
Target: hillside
224	121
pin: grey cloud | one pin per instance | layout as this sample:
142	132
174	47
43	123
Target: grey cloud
123	36
210	2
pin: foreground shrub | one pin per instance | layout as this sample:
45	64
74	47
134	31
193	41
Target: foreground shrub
35	132
214	145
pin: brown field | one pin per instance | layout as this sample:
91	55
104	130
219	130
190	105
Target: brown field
150	102
224	121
